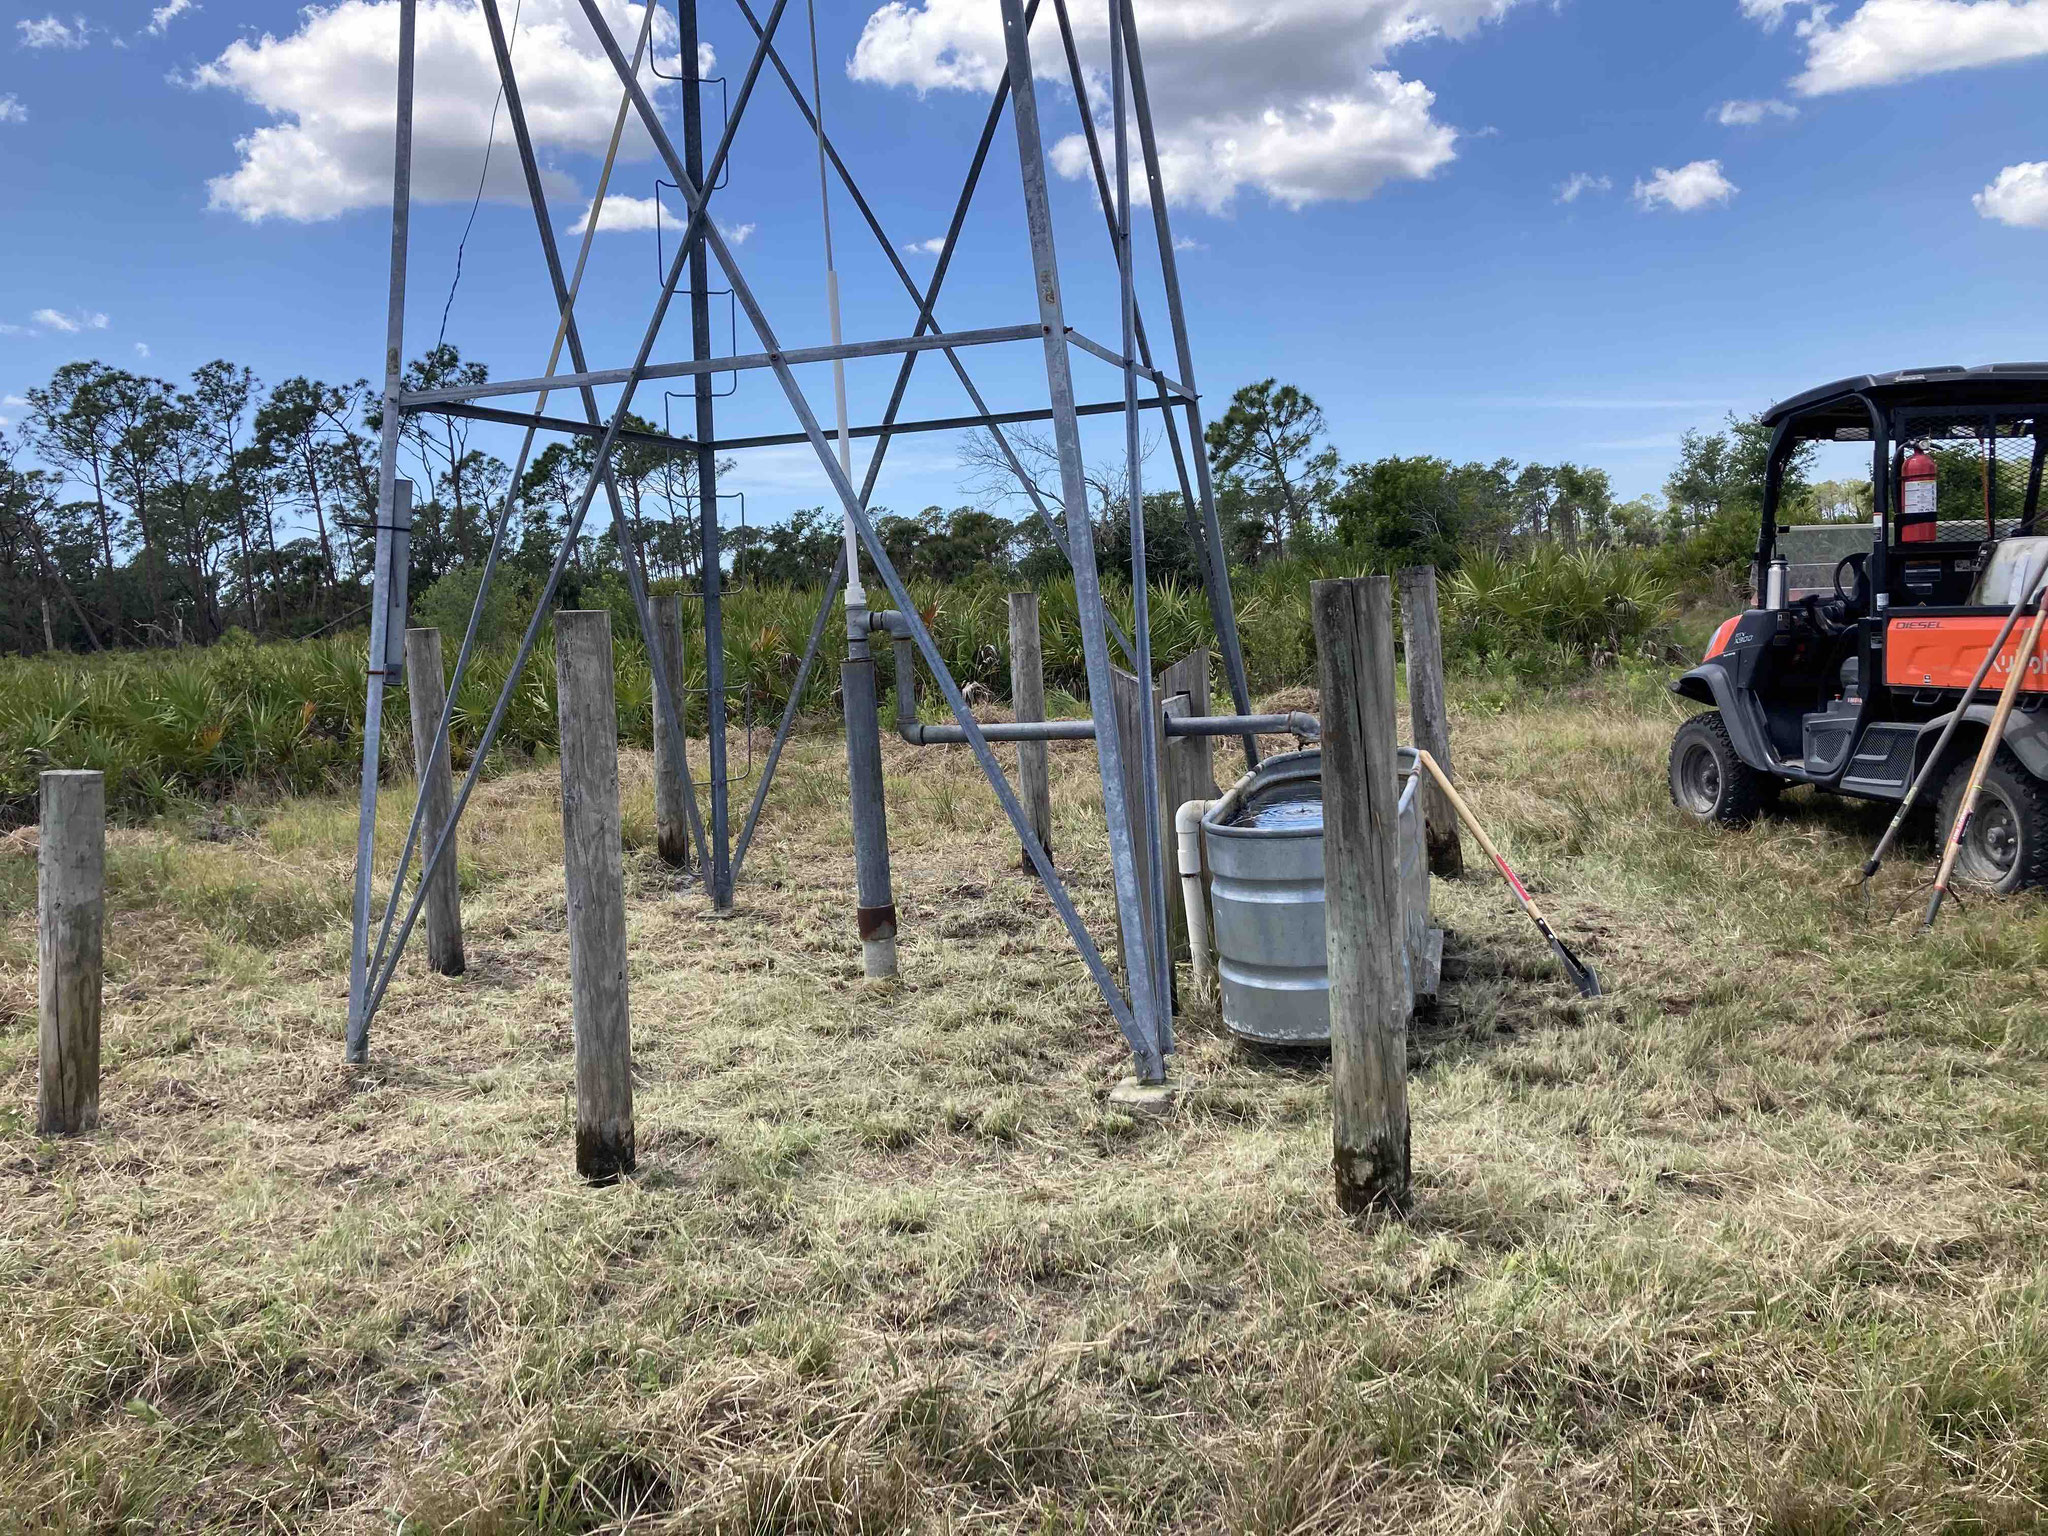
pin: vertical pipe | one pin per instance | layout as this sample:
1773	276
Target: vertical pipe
426	694
1428	719
1146	1005
876	914
357	1049
1027	701
674	803
593	869
70	924
1149	831
1361	857
1222	606
718	878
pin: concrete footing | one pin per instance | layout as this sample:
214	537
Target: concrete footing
1144	1098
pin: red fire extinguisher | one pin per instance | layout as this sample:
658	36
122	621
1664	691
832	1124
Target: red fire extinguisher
1916	498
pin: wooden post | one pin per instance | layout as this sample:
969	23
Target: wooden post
593	864
1187	771
1027	698
426	692
671	752
71	919
1423	637
1361	860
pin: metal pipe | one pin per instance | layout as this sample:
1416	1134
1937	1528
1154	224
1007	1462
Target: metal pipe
876	915
357	1046
1302	726
1124	363
927	314
1222	605
718	869
1141	1038
699	367
570	534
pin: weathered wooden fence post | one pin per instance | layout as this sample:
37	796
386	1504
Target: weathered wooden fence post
1187	771
1368	1002
671	751
1027	699
1423	638
70	924
426	693
593	862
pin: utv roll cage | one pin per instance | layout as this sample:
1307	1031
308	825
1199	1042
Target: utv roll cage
1884	409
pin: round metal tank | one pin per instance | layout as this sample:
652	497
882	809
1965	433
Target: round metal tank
1266	903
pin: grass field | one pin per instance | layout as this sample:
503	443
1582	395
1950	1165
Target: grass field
1755	1244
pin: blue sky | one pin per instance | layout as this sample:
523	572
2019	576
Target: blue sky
1369	193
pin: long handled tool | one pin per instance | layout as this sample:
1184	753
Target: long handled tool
1581	973
1992	738
1925	778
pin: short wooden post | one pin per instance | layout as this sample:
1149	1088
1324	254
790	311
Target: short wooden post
1361	860
593	863
1187	771
671	751
70	923
1027	699
1423	638
426	692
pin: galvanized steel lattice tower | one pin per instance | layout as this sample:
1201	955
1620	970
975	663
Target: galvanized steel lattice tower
1143	1013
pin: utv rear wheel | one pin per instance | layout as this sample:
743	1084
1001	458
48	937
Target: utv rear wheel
2005	847
1708	781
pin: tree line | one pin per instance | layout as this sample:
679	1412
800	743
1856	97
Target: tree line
138	511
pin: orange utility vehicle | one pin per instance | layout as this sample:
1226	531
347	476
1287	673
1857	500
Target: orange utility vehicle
1848	688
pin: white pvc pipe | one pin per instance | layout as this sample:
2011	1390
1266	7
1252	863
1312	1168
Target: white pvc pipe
1187	832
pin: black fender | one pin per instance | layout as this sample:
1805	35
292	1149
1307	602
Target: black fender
1709	683
2026	732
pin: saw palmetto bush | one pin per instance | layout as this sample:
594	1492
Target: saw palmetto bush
270	718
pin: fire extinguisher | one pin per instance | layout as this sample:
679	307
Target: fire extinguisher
1917	477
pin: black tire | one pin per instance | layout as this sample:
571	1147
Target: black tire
2005	847
1708	781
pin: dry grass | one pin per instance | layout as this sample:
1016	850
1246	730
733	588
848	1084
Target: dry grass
1755	1245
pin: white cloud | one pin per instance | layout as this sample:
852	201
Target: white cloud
161	18
1290	98
329	88
2018	197
11	110
1769	12
1188	243
1747	114
1890	40
70	324
14	400
1687	189
1579	183
930	247
736	234
142	349
53	31
624	215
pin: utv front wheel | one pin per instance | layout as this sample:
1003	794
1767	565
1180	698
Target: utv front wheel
1708	781
2005	846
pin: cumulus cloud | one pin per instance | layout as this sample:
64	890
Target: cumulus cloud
161	18
1747	114
329	88
12	111
1188	243
53	31
930	247
1579	183
142	349
2019	196
1884	41
1291	98
1687	189
71	323
623	215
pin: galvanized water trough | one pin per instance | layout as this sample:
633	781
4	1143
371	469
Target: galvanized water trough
1264	849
